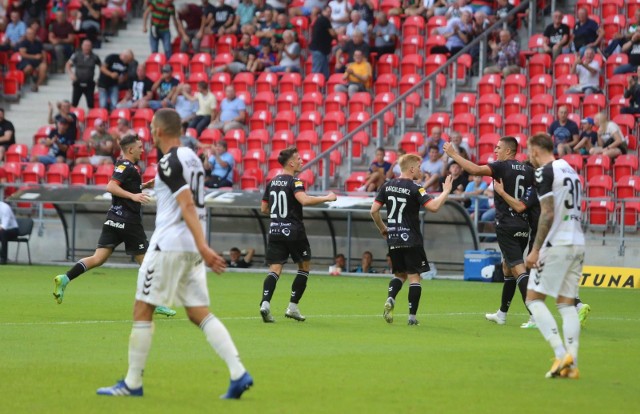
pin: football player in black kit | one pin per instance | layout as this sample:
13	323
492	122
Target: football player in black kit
124	220
403	198
512	228
283	200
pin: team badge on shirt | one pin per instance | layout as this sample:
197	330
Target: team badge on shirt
299	183
422	191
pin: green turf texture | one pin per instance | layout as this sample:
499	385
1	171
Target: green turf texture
343	359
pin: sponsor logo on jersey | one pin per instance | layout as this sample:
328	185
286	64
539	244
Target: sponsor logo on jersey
299	183
422	191
114	224
539	175
521	234
286	232
404	236
120	168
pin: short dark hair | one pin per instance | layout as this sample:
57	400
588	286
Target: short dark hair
381	149
127	141
340	255
234	249
511	142
169	120
223	143
543	141
286	154
202	85
433	147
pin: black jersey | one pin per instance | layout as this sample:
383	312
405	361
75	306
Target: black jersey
127	175
285	210
516	178
532	203
403	199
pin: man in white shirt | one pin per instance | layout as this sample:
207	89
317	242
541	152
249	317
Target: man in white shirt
8	229
588	71
358	24
288	54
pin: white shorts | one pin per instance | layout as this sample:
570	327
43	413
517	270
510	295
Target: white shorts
173	278
559	271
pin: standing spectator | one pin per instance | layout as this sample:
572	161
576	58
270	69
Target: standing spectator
504	55
8	230
502	8
223	18
81	69
184	106
631	48
385	35
611	142
64	112
565	133
586	32
357	43
243	56
7	134
114	12
90	15
357	24
33	10
239	262
320	46
113	71
475	188
58	142
15	32
432	168
358	75
588	71
206	105
377	172
233	112
190	18
141	91
340	10
62	37
33	62
165	88
588	137
632	93
458	33
556	36
365	264
220	163
288	54
161	12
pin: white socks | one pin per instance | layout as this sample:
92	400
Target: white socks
570	329
219	338
139	345
547	326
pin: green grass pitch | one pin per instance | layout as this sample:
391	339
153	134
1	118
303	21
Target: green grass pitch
343	359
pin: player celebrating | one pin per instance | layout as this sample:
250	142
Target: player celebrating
403	198
512	228
557	254
174	269
124	220
283	200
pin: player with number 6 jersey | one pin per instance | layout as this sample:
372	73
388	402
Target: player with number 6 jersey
403	199
283	200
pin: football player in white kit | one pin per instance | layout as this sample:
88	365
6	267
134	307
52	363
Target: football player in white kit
557	254
173	269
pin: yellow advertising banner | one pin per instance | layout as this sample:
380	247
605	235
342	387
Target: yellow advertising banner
610	277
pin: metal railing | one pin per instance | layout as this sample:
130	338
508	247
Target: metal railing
479	42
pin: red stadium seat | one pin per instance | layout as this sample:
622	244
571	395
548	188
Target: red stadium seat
487	159
311	101
382	100
210	136
387	64
563	83
155	62
264	101
540	123
464	103
411	141
244	82
179	62
515	104
433	41
333	121
267	82
336	101
335	79
355	181
435	22
625	165
17	153
539	85
487	144
440	119
200	62
96	113
235	138
490	124
489	84
434	62
562	64
613	25
489	103
632	6
616	85
38	150
57	173
356	119
541	104
599	215
257	139
82	174
309	121
411	65
597	165
307	140
572	102
284	120
575	161
359	102
463	123
281	140
33	173
287	101
260	120
103	174
593	104
516	124
614	61
387	83
254	159
290	82
118	114
273	172
616	104
360	140
219	81
142	118
226	44
626	123
412	45
539	64
328	139
612	7
515	84
413	25
599	186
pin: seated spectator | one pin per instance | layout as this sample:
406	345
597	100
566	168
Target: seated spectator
434	139
488	216
588	71
350	47
102	144
556	36
588	137
377	174
239	262
483	6
622	37
184	103
165	88
58	142
631	48
114	12
64	112
220	163
113	72
311	8
190	19
141	91
340	10
357	23
221	22
339	264
34	62
358	76
459	177
365	7
395	171
243	22
62	37
15	32
90	16
7	134
565	133
288	55
191	142
385	35
456	9
282	25
243	57
122	129
265	59
8	230
432	168
206	105
425	8
278	6
389	266
233	112
458	33
475	188
266	28
456	141
632	93
365	265
502	8
586	32
610	140
504	55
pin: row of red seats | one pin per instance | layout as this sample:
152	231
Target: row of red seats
609	8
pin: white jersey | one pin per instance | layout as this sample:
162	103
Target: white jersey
178	170
558	180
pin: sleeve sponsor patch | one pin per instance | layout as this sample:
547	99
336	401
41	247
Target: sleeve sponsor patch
120	168
422	191
299	183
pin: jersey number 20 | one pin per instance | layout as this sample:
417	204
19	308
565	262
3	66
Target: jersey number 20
279	204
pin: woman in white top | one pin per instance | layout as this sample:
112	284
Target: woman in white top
611	142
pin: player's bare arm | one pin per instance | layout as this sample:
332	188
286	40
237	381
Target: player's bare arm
307	200
114	188
435	204
264	207
468	166
516	205
544	225
377	219
149	184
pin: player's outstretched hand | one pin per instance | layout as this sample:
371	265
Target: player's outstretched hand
141	198
449	149
332	196
213	260
532	259
447	185
498	187
149	184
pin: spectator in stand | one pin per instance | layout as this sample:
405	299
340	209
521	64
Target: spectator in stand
385	35
456	141
631	48
339	264
556	36
459	178
632	93
278	6
4	12
456	8
458	33
233	112
15	32
114	12
586	32
7	134
322	34
377	174
244	17
483	6
502	8
189	141
220	162
122	129
504	55
282	25
81	69
588	71
161	12
8	230
34	10
237	261
102	143
243	56
266	59
565	133
365	265
206	105
611	142
620	38
288	55
113	72
357	23
311	8
219	19
340	10
365	7
42	34
432	168
90	15
357	43
164	88
141	91
58	142
62	37
475	188
64	112
266	28
183	103
588	137
33	63
424	8
358	75
395	171
190	18
434	139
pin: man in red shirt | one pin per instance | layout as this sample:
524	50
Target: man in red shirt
62	37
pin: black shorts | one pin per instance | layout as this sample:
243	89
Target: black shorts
513	244
132	235
278	251
410	260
